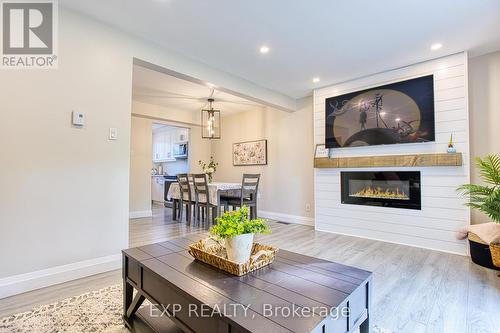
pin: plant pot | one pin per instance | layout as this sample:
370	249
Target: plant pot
239	248
480	252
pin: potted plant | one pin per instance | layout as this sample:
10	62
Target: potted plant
485	198
209	168
238	232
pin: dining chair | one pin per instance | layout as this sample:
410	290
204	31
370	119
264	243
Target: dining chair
185	197
248	194
202	198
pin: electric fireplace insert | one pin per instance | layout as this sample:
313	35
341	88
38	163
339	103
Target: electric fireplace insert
398	189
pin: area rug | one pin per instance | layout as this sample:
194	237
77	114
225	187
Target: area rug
96	311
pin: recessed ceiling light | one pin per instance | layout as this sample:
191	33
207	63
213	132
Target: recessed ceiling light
264	49
397	119
316	79
436	46
382	113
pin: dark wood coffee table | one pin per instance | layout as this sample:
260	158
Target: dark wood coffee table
296	293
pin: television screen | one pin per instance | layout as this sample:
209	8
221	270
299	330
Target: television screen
401	112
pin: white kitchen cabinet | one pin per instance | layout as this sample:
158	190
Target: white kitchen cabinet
157	188
165	141
156	147
166	148
162	147
180	135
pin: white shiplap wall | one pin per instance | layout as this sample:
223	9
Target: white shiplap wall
442	208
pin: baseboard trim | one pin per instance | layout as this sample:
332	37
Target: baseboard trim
22	283
466	254
140	214
296	219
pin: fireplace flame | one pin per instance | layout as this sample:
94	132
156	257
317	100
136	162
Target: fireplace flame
378	192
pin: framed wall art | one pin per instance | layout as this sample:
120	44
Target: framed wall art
250	153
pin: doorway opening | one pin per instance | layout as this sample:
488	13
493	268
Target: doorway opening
170	154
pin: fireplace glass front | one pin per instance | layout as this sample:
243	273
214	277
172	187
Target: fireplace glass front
398	189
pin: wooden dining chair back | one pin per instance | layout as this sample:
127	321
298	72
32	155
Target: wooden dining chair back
200	186
249	188
247	195
185	196
202	197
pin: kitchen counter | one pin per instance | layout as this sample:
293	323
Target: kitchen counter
167	177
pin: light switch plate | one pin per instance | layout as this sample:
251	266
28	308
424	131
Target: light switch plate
113	133
77	118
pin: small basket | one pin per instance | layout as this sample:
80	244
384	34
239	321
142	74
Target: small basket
475	238
495	254
215	255
479	255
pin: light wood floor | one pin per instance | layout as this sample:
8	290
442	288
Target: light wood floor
415	290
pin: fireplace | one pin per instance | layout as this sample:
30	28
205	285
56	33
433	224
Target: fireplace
398	189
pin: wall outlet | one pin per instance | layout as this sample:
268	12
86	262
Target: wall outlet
308	207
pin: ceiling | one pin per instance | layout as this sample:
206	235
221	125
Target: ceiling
157	88
333	40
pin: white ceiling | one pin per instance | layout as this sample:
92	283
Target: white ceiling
335	40
157	88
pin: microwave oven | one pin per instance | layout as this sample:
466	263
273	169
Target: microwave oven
180	150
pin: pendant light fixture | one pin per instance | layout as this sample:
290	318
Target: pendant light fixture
210	122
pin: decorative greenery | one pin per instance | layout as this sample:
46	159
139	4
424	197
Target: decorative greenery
236	222
486	198
209	168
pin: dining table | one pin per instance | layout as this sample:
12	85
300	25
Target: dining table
215	191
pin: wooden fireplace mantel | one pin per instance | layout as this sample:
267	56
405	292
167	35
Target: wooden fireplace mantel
410	160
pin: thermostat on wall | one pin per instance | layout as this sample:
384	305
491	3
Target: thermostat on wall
78	118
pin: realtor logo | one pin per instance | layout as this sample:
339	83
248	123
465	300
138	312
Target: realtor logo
29	31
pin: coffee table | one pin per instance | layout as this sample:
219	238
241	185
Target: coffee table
296	293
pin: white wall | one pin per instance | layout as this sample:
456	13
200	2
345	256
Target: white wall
287	181
64	191
442	209
484	89
141	137
173	168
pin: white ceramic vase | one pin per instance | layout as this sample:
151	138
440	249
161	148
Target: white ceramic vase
239	248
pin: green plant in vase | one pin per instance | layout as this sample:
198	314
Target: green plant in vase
238	232
209	168
485	198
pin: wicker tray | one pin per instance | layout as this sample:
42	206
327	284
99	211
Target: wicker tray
215	255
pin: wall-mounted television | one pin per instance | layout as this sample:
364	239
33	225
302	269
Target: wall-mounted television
401	112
